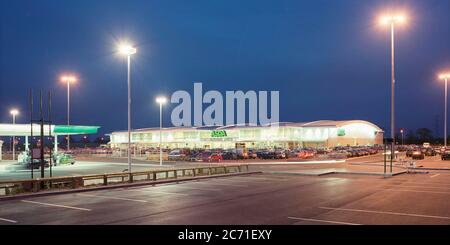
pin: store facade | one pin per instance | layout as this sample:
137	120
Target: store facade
324	133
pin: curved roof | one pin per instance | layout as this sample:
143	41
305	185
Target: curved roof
319	123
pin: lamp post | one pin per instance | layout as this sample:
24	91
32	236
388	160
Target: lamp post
392	20
128	50
160	101
14	113
401	132
445	78
68	80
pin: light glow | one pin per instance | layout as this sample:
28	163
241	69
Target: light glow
14	112
161	100
126	49
444	76
68	79
386	19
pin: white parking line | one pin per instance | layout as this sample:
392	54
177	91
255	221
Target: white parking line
110	197
161	192
56	205
417	186
214	183
434	175
385	212
195	188
8	220
323	221
262	179
436	192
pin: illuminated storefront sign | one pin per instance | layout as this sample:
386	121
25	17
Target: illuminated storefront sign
218	133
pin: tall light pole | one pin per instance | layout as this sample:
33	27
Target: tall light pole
392	20
128	50
401	132
68	80
160	101
14	113
445	78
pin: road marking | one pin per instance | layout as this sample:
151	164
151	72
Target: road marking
57	205
207	183
262	179
434	175
8	220
386	212
417	186
437	192
161	192
195	188
110	197
323	221
298	162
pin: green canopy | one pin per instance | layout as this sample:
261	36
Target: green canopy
67	129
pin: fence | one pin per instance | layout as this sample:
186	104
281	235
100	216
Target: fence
73	182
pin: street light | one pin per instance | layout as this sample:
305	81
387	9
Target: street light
128	50
160	100
445	77
14	113
401	132
68	80
392	20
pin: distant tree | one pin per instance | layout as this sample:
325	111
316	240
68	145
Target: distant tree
411	137
424	135
85	139
100	140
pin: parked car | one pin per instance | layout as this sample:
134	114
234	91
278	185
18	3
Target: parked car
195	157
409	152
228	155
36	164
306	154
445	155
174	155
418	154
211	157
251	154
430	152
281	154
266	154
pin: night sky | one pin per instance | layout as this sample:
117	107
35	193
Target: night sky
328	58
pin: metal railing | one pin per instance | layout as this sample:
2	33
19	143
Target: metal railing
11	187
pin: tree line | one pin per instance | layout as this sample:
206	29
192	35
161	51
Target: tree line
419	136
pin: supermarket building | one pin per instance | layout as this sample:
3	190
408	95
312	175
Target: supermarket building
324	133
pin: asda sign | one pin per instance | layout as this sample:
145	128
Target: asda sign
218	133
341	132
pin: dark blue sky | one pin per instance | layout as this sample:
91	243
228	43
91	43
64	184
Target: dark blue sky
328	58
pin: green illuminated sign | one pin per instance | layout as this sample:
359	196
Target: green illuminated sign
63	129
341	132
218	133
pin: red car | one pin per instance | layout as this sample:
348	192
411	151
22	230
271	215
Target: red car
305	154
211	157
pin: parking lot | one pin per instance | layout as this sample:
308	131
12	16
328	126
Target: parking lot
250	199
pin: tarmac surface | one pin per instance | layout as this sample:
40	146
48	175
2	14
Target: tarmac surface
280	195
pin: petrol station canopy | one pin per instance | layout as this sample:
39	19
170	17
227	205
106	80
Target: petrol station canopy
25	129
